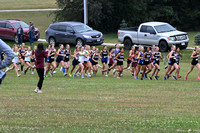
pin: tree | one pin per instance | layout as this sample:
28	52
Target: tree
107	15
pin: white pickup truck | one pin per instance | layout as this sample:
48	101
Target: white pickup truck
153	33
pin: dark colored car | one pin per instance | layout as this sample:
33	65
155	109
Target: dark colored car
73	33
8	30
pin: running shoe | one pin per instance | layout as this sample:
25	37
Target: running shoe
92	73
18	75
198	79
61	69
36	90
82	77
102	72
178	76
174	77
39	91
64	74
141	78
186	78
114	71
118	77
106	75
166	66
141	72
150	78
136	77
121	75
74	75
70	75
128	68
51	74
133	74
144	77
54	72
32	73
164	78
89	75
7	69
156	77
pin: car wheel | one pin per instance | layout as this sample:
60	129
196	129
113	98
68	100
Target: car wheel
52	41
163	46
127	44
16	38
79	42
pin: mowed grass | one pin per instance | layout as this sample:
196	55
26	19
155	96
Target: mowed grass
27	4
101	104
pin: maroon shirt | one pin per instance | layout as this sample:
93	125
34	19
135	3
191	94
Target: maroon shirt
40	58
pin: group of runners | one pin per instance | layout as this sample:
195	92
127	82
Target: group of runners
85	61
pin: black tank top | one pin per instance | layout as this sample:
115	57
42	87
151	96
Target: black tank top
147	56
121	57
96	57
105	54
157	55
197	58
67	53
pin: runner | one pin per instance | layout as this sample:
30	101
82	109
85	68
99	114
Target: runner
141	61
95	59
75	60
130	57
28	59
104	60
50	61
15	62
120	59
67	57
22	56
195	62
156	62
172	62
60	58
33	60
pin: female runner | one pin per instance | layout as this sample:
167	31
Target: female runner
195	57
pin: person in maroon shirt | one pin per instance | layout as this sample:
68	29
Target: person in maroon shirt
40	54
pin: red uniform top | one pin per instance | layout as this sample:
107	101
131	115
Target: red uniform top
40	58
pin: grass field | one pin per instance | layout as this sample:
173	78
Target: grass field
27	4
100	104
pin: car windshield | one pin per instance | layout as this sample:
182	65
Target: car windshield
164	28
24	25
82	28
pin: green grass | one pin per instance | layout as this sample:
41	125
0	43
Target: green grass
100	104
27	4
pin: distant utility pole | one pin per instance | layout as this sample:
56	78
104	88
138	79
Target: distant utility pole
85	12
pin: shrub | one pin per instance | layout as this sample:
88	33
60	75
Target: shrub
197	39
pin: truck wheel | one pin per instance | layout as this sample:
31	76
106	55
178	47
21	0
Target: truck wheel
52	41
127	44
79	42
163	46
16	38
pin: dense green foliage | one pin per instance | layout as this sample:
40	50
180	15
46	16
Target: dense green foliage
197	39
108	15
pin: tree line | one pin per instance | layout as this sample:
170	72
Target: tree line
107	15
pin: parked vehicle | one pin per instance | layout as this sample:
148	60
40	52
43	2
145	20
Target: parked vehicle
8	30
73	33
153	33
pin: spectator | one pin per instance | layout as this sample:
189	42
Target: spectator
40	54
7	61
20	34
31	33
